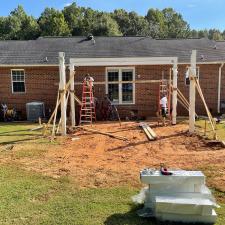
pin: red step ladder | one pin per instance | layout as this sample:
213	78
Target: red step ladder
87	111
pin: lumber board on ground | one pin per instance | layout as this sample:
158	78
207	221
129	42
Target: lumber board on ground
152	132
151	135
103	133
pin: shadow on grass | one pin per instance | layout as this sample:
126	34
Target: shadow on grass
19	141
129	218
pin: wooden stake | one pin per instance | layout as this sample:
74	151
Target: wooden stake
54	120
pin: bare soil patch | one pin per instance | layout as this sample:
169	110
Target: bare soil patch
95	160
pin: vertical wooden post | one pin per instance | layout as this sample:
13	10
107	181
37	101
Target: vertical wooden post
219	87
72	100
192	75
62	84
174	112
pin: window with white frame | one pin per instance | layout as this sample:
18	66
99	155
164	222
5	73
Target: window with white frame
120	86
18	80
187	80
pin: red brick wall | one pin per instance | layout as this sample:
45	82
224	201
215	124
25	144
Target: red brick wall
41	85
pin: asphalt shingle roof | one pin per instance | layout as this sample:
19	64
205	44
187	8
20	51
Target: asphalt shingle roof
35	51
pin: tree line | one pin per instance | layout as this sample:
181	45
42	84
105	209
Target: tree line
74	20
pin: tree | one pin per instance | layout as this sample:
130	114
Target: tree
194	34
130	23
52	23
157	24
176	26
215	34
19	26
203	33
105	26
73	16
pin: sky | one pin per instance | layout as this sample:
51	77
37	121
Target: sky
199	14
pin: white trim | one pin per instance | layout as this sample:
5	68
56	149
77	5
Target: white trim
120	69
15	81
26	65
56	65
128	61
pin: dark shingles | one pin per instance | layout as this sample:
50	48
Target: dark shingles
35	51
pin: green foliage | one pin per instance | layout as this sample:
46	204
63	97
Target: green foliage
170	23
19	26
53	23
74	20
131	23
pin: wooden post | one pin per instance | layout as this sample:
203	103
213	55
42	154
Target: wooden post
192	75
72	100
219	87
174	112
62	84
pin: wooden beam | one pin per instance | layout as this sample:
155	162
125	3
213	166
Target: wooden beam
122	82
192	75
103	133
72	102
62	84
174	94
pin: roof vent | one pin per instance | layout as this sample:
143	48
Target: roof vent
202	57
215	47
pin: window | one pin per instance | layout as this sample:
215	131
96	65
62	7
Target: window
187	80
18	81
120	86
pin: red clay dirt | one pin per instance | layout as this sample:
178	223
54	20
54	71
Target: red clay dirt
96	160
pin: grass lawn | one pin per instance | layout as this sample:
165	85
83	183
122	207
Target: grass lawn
220	129
31	198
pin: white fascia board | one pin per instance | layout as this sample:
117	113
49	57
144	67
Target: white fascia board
123	61
27	65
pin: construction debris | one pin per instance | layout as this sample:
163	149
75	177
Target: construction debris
148	131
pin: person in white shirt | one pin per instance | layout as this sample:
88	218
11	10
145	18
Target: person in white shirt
163	105
89	80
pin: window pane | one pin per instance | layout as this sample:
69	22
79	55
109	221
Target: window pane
127	75
113	91
127	92
18	75
18	87
113	75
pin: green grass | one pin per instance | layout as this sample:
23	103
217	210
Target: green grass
220	129
29	198
17	132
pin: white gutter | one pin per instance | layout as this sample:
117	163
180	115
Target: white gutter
219	87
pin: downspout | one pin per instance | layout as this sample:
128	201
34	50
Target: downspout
219	87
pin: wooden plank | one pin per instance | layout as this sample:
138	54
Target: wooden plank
152	132
148	134
103	133
123	82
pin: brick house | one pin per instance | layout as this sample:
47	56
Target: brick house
29	70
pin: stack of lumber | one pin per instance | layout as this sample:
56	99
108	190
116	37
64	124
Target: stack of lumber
148	131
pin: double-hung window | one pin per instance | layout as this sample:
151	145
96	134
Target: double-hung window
120	85
18	80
